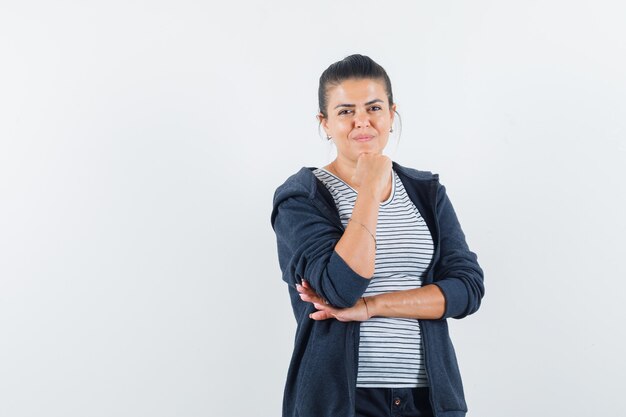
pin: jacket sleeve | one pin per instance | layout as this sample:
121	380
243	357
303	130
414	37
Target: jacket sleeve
306	242
457	272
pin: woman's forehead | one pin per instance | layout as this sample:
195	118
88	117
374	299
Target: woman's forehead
357	91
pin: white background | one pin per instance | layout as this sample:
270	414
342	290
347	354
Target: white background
141	143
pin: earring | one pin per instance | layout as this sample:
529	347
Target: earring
391	130
328	137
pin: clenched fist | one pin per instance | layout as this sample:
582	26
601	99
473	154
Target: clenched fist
373	173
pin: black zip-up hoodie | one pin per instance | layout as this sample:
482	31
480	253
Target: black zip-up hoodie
321	381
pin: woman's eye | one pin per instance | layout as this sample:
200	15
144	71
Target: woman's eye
375	108
342	112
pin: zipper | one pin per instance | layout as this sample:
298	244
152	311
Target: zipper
431	391
428	373
355	341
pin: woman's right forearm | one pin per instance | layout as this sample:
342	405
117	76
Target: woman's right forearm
357	246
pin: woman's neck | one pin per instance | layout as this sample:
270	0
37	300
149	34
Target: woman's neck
344	170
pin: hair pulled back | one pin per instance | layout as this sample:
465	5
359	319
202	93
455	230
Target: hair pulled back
351	67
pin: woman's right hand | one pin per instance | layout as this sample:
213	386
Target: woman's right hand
373	173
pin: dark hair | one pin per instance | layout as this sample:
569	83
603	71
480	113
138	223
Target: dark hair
351	67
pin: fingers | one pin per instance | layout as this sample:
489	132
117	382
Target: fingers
324	310
320	315
321	306
310	291
308	294
325	307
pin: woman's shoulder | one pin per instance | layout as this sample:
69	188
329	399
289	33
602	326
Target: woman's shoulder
305	188
303	182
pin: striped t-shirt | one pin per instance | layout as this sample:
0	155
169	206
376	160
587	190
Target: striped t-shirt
390	349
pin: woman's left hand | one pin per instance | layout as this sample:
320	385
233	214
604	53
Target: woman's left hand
358	312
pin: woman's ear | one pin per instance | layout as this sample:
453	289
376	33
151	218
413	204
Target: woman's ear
392	110
323	122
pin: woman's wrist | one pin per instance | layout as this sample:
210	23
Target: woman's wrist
367	312
369	306
369	192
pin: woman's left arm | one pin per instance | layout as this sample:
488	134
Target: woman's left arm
426	302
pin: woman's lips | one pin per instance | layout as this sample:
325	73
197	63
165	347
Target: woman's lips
363	138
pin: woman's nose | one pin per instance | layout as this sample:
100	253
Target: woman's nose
361	119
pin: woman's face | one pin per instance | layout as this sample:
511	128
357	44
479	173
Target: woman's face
359	117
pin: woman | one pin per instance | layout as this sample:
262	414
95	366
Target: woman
376	262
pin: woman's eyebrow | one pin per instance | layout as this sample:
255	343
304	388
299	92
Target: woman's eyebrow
376	100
